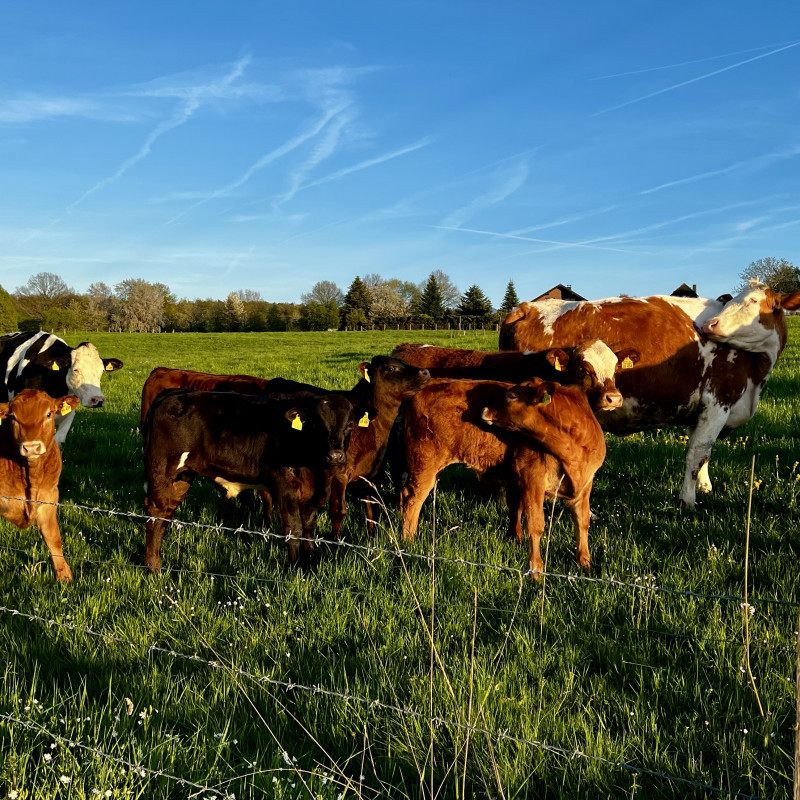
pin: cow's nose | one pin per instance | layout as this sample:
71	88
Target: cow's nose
710	325
336	457
97	401
613	400
28	449
425	373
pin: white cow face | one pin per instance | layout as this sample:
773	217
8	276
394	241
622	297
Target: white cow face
753	320
83	375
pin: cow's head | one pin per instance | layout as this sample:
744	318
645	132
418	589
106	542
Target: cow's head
593	366
519	407
753	320
84	373
392	377
32	416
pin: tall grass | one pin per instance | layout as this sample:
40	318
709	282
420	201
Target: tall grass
618	674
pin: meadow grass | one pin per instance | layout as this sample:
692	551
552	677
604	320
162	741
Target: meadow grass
614	673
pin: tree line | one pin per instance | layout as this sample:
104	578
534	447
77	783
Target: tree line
46	302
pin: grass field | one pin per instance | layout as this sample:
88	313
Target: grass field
569	678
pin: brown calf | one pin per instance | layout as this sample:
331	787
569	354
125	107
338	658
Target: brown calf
463	422
30	466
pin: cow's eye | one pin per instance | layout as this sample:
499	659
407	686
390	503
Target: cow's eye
49	414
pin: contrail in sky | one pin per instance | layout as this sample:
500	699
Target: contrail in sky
693	80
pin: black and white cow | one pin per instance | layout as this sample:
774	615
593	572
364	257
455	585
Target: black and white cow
43	361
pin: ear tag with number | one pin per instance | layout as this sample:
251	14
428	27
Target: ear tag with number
557	365
545	399
297	423
364	421
109	367
65	409
627	362
55	367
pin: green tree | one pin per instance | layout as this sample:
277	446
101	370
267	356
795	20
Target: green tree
475	307
356	299
234	312
9	319
510	299
430	303
275	320
43	291
777	273
316	316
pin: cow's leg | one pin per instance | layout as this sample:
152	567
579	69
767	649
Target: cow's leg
48	525
338	505
701	439
532	498
160	506
63	424
514	503
581	515
703	479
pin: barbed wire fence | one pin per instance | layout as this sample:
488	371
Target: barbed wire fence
288	687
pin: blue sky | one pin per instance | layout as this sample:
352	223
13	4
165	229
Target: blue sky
211	146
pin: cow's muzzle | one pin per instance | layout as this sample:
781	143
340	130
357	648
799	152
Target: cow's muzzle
337	457
32	449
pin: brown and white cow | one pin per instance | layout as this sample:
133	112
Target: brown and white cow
527	437
703	362
591	365
30	466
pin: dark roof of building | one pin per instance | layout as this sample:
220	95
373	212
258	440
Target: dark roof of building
559	292
684	290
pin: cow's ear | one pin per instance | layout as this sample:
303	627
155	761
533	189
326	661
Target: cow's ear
364	415
558	359
65	405
789	302
110	364
296	417
626	358
545	391
363	368
5	410
725	298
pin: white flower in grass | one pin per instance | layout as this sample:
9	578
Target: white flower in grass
65	779
13	794
47	757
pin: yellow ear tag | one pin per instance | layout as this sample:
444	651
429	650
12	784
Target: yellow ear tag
366	375
627	363
297	424
55	367
364	421
65	409
545	399
109	367
557	365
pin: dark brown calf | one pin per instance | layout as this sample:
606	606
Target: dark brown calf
446	423
30	466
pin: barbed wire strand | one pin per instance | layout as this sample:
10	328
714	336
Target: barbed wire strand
343	543
137	769
371	703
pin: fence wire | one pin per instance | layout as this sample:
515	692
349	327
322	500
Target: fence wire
369	703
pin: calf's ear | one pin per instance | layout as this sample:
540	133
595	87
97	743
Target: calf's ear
5	410
725	298
363	368
558	359
544	392
626	358
110	364
296	417
364	415
64	405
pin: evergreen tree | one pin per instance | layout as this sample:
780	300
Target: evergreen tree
275	320
430	303
510	299
356	299
8	313
475	305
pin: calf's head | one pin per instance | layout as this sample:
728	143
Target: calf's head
593	366
329	422
31	415
84	373
392	378
518	408
753	320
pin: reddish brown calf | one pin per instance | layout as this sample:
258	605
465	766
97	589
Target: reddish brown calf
464	422
30	466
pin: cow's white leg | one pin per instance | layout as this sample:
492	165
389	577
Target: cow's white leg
701	439
63	424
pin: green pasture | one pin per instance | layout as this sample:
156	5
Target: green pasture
523	690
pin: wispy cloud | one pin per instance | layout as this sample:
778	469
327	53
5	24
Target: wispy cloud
790	153
694	80
510	181
182	114
238	258
687	63
564	220
33	108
